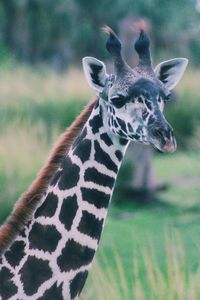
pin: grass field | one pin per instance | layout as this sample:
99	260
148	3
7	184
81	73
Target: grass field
147	252
153	252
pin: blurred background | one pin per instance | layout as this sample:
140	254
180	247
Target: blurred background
151	243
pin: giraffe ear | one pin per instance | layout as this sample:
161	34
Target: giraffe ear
95	73
171	71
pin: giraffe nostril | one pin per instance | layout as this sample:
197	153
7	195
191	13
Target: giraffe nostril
159	132
163	132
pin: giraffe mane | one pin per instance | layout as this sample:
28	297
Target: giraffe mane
28	202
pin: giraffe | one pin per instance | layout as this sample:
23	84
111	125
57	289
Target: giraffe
48	243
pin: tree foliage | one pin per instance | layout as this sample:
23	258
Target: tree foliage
62	31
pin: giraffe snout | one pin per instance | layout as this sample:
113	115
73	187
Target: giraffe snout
163	138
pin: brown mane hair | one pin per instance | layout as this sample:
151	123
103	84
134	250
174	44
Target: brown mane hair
28	202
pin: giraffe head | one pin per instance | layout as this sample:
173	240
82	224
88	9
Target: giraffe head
135	97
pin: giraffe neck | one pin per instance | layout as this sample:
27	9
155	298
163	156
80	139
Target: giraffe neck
58	245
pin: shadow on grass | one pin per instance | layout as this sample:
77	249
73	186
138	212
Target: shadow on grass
194	209
125	202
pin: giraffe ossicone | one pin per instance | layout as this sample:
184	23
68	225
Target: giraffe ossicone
49	258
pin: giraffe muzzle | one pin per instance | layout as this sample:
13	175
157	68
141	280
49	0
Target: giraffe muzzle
170	146
162	138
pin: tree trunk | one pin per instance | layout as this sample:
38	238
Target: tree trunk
16	33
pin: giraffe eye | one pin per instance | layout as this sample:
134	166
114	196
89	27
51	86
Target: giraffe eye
118	102
140	100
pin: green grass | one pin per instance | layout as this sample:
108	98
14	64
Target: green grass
146	252
35	107
156	245
148	277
